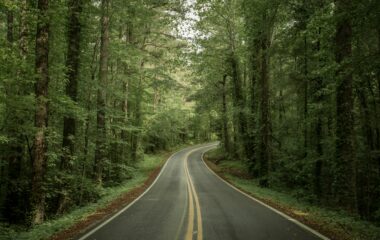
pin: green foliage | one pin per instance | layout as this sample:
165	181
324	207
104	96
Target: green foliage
100	198
263	77
145	104
326	219
286	57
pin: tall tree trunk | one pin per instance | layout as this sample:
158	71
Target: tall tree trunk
378	103
9	187
254	62
41	115
305	107
226	137
72	65
126	88
265	122
363	180
346	160
135	137
318	130
17	197
138	117
100	151
125	109
238	102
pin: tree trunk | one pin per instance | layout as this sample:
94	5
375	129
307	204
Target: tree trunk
265	122
363	180
72	65
238	101
305	108
226	137
346	160
318	130
41	115
125	107
10	185
378	104
138	118
100	151
251	151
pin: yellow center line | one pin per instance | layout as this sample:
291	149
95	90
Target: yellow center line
191	214
189	232
199	216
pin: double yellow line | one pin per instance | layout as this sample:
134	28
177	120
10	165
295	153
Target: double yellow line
192	197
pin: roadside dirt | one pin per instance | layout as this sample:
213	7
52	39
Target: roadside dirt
104	213
333	234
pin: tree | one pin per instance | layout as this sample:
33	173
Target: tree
101	147
42	112
115	84
311	102
346	161
72	65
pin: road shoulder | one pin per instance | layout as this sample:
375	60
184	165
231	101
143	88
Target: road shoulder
110	208
327	222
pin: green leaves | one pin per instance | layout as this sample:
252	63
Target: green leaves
3	139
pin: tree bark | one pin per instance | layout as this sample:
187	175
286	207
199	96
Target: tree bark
135	143
305	108
72	65
318	130
254	62
265	122
72	72
239	103
226	137
125	106
100	151
378	103
346	161
363	180
10	186
41	114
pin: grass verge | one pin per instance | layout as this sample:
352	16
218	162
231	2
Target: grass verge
336	225
114	198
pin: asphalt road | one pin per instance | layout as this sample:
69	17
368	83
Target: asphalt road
188	201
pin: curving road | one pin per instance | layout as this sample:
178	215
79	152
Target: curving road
188	201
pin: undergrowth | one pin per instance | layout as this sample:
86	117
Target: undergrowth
52	226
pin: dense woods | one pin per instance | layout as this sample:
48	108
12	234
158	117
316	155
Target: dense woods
87	87
291	88
295	95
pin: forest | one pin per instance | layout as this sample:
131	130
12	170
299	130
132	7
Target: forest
86	88
291	88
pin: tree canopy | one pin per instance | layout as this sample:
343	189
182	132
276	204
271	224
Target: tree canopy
291	88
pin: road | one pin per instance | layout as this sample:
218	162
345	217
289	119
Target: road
188	201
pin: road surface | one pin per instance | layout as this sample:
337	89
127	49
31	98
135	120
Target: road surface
188	201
